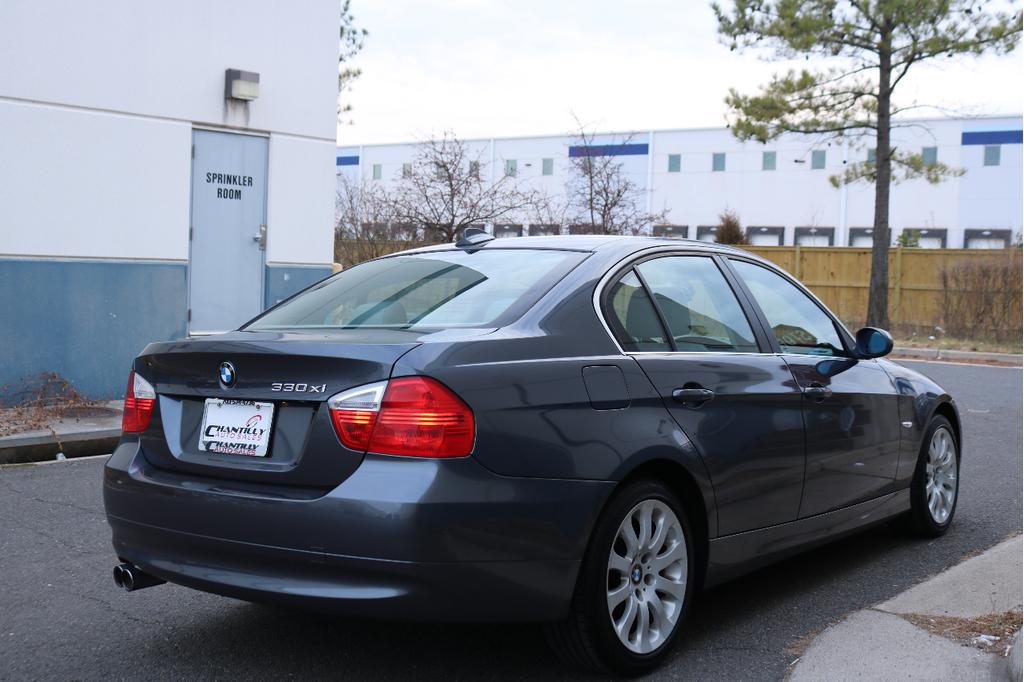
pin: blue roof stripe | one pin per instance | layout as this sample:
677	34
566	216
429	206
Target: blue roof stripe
608	150
992	137
348	161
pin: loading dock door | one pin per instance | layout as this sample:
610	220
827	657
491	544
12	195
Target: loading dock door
228	233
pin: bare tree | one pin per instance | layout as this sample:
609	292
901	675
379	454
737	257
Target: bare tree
601	198
367	224
447	188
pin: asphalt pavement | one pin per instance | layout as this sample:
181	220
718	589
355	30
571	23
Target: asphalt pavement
61	617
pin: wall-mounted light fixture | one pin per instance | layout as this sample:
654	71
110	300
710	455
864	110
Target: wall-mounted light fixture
244	85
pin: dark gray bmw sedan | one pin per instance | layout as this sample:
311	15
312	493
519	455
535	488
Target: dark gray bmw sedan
580	431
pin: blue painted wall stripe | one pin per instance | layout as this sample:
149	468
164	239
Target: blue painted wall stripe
608	150
85	320
992	137
348	161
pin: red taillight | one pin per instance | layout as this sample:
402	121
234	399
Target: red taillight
410	416
138	404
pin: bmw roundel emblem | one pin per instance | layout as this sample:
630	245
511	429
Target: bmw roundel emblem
227	374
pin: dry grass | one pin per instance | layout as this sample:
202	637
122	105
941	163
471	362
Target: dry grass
45	398
991	633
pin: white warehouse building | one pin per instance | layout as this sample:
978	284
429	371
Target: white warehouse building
781	191
166	170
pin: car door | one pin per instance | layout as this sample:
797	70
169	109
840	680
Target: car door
850	406
680	319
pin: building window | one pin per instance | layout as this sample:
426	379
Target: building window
872	155
991	155
544	230
673	231
511	167
987	239
814	236
765	236
861	237
706	233
376	171
508	230
674	163
406	170
768	161
818	159
718	161
930	155
547	166
924	237
474	169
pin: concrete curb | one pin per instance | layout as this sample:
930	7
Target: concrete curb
879	643
1014	663
939	354
39	448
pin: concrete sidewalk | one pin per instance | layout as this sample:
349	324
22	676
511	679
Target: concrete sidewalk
94	434
897	640
943	355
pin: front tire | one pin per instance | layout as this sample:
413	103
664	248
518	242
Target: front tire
935	489
635	584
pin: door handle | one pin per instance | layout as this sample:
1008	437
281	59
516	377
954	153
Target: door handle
817	392
261	237
693	396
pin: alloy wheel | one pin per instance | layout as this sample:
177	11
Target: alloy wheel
647	574
940	475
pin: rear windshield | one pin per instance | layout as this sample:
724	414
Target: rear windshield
436	290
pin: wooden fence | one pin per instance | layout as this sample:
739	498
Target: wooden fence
919	284
919	293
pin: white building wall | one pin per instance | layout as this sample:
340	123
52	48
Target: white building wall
92	184
97	104
794	195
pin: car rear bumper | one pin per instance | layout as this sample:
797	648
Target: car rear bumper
437	540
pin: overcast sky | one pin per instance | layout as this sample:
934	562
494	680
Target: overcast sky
484	68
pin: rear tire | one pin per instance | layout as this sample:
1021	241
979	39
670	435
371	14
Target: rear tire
935	489
635	585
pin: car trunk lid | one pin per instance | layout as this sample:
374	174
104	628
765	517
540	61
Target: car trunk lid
288	375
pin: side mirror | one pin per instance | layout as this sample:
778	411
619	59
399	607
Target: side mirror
873	343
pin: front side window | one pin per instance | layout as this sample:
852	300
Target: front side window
798	324
698	305
436	290
633	317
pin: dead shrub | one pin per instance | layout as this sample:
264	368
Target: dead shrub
730	231
982	297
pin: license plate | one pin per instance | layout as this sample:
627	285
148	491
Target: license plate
236	427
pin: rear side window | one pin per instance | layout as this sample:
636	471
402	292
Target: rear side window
437	290
636	323
797	322
698	304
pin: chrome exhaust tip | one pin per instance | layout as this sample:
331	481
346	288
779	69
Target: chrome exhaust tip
131	578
